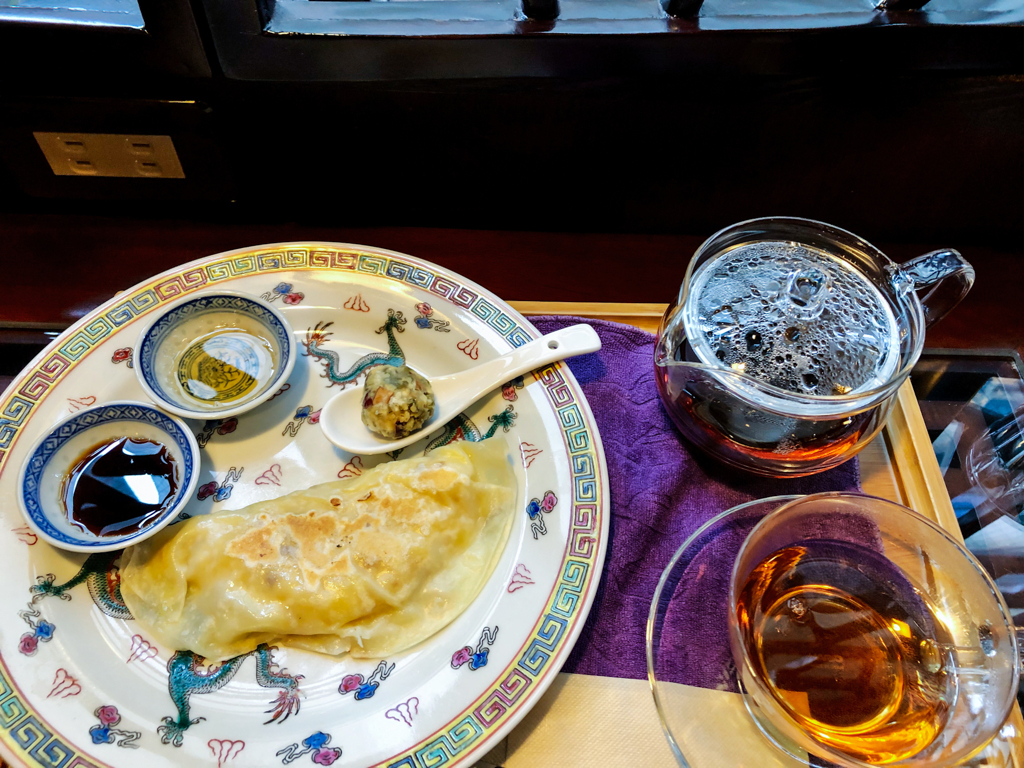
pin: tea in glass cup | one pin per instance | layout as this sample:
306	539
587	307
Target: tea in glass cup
864	634
790	338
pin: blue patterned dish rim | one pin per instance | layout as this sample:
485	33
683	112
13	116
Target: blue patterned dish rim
154	334
467	709
38	513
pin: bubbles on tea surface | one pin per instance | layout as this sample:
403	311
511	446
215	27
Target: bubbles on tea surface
793	317
725	321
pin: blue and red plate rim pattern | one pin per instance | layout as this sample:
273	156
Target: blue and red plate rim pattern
26	735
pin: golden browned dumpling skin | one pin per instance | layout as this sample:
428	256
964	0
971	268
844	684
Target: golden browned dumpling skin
368	566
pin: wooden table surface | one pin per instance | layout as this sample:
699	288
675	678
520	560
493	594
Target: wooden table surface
56	268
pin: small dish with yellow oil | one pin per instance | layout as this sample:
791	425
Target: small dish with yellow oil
215	355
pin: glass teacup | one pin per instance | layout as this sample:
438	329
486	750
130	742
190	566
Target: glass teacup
789	339
866	635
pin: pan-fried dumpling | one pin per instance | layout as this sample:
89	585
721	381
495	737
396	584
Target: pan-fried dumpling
370	565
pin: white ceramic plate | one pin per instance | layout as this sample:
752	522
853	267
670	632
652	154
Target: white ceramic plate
82	685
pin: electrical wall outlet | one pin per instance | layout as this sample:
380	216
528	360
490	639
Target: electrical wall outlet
110	154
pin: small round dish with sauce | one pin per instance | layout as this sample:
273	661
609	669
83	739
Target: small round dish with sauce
215	355
108	476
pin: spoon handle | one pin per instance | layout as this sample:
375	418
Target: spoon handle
455	391
567	342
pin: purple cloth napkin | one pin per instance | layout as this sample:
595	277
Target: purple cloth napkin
662	490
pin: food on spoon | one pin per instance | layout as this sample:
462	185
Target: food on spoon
397	401
369	565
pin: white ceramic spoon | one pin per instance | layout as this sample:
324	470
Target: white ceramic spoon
341	421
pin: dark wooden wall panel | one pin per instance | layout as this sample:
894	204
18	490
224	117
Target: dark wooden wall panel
908	156
59	267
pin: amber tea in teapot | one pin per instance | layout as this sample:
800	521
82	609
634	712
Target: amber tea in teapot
789	340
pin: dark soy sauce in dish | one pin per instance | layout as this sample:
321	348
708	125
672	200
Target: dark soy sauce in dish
119	486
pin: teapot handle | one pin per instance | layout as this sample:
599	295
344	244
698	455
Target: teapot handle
945	274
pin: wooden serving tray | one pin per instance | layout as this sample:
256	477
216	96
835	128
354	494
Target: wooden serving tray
899	464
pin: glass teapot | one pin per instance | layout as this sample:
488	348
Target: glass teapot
788	342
